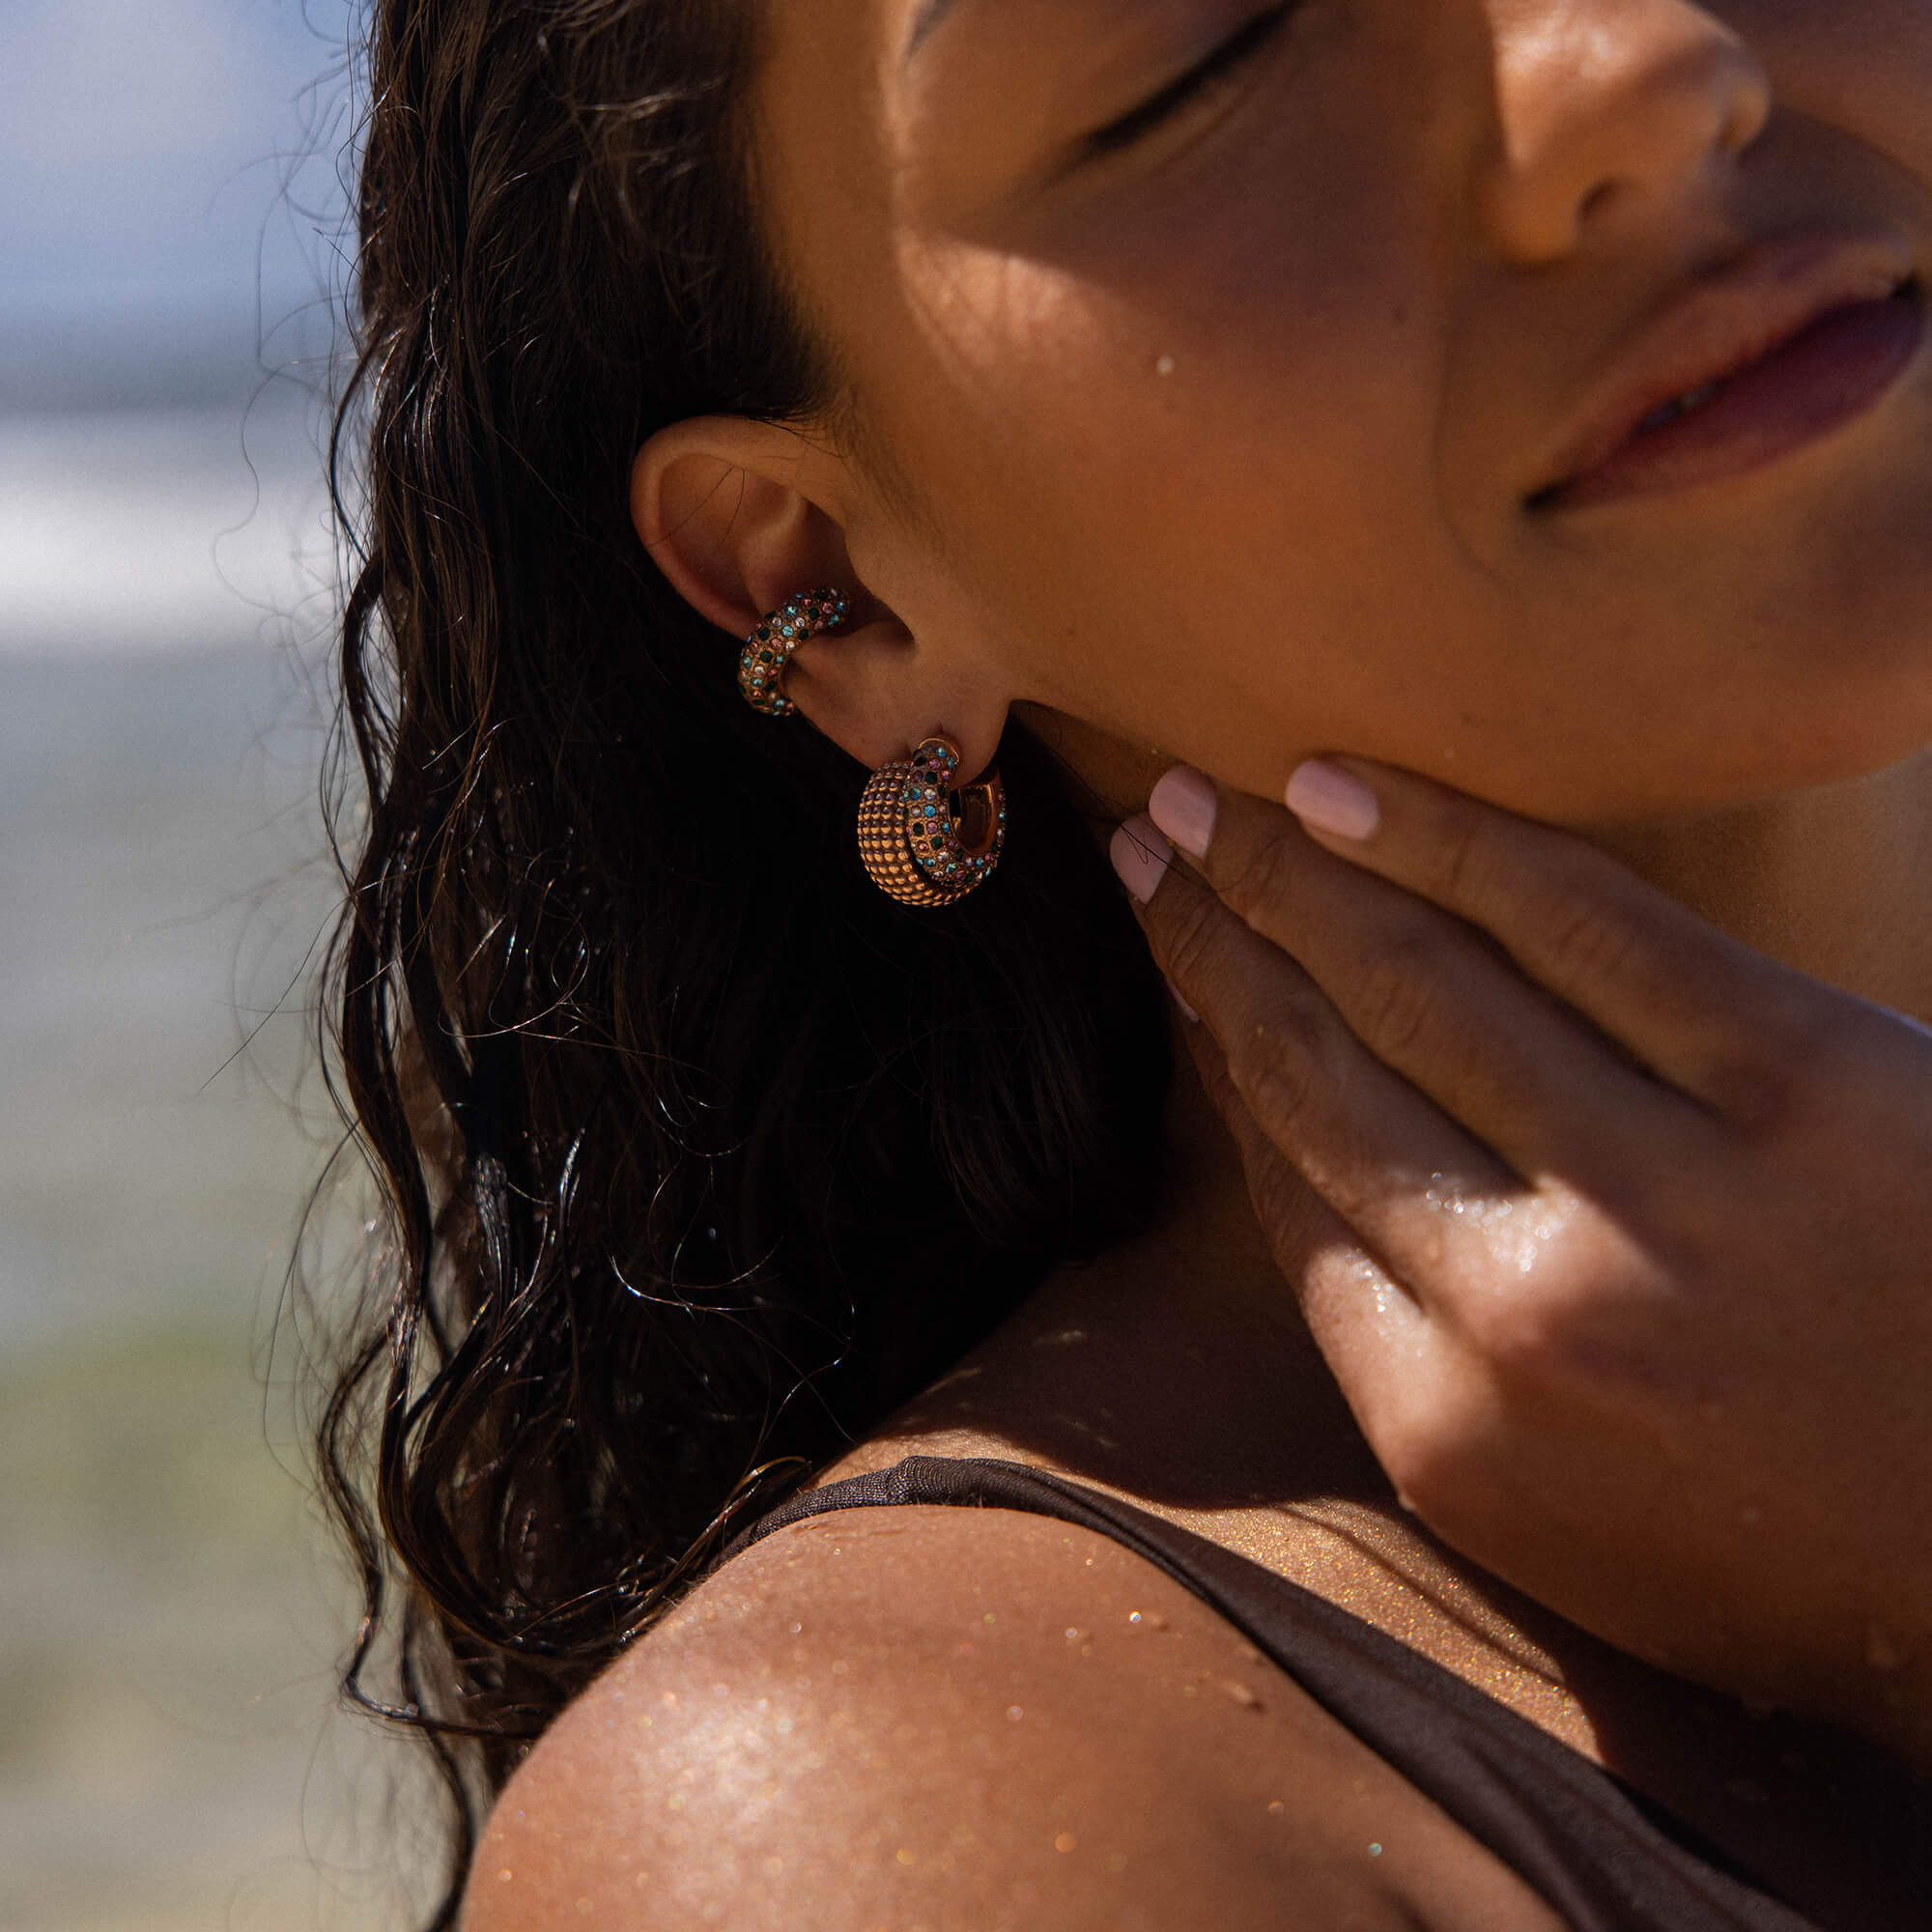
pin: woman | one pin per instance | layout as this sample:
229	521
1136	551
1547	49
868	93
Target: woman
1528	394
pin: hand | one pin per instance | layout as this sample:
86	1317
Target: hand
1616	1235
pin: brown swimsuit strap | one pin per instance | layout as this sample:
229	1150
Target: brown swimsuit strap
1604	1859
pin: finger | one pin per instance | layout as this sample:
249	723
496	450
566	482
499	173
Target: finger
1386	1159
1335	1277
1431	997
1374	1335
1699	1008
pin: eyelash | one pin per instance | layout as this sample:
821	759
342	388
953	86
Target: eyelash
1221	64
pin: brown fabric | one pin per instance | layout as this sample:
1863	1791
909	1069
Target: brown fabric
1604	1861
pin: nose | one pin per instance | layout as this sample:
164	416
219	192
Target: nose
1600	101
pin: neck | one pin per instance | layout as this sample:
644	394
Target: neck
1204	1388
1836	881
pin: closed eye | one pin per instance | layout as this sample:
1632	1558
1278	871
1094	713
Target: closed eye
1221	64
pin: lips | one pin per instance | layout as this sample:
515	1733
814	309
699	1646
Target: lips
1792	342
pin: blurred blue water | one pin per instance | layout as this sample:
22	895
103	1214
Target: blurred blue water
170	234
159	860
167	1631
168	157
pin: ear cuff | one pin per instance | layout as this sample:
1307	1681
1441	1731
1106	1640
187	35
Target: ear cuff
767	652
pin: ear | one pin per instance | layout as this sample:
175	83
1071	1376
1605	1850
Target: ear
730	510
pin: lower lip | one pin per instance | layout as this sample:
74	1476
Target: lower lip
1821	380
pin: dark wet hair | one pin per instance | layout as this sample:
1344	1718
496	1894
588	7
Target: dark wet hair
699	1156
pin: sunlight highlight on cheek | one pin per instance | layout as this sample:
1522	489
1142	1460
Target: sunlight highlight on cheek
987	315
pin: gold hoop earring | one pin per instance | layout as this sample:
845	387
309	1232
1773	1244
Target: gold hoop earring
925	838
767	653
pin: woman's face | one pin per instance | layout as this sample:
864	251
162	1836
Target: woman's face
1273	418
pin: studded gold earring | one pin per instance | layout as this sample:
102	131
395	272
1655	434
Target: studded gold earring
767	653
925	838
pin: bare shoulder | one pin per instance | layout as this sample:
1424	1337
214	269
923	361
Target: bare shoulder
956	1719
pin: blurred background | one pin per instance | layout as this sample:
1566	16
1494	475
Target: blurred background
170	1618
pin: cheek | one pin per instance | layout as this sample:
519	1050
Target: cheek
1190	469
1863	67
1181	463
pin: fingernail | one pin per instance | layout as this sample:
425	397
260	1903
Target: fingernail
1184	804
1187	1012
1327	799
1141	856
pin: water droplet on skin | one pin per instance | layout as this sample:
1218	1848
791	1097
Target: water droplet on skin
1375	1850
1066	1842
506	1875
1165	367
1014	1714
905	1856
1241	1693
1147	1620
798	1629
1276	1809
